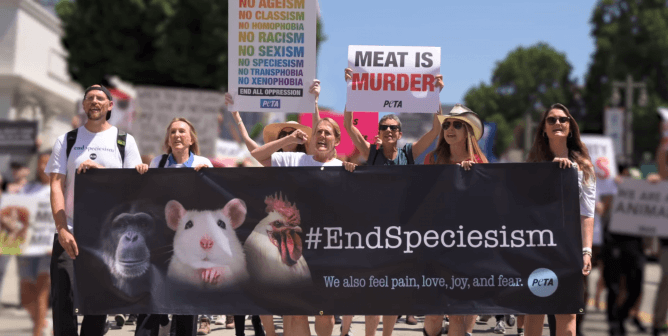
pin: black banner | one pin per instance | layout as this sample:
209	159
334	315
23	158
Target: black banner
501	238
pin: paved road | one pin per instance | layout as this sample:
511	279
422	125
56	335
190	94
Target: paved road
15	321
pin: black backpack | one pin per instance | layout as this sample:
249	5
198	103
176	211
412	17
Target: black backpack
120	142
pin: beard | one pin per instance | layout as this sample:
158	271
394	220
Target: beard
102	115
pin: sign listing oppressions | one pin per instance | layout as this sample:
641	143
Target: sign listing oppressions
640	209
159	105
394	79
272	55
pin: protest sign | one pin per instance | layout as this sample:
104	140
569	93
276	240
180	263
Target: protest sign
18	137
613	126
33	212
393	79
272	55
640	208
159	105
602	154
366	123
429	239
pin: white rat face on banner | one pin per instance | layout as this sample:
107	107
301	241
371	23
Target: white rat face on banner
207	251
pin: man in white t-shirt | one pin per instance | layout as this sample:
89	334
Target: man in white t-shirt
97	145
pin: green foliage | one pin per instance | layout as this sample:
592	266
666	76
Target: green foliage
150	42
528	79
180	43
631	38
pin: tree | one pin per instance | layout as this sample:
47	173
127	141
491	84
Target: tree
631	38
527	80
180	43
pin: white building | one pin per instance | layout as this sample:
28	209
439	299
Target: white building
34	82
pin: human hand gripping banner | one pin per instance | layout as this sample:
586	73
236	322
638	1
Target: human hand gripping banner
272	55
499	239
393	79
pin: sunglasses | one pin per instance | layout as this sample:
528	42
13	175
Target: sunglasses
384	127
553	120
282	134
457	125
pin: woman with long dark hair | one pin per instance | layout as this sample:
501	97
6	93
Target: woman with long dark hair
558	140
457	144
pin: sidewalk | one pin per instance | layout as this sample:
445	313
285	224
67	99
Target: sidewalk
15	321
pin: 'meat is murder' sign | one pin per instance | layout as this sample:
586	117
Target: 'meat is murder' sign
394	79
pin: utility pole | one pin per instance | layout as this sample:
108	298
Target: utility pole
629	85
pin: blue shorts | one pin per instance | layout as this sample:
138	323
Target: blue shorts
30	267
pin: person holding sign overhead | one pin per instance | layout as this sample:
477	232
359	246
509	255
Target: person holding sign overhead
457	144
277	130
386	151
558	140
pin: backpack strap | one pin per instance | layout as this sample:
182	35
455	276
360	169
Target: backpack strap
71	139
120	142
163	160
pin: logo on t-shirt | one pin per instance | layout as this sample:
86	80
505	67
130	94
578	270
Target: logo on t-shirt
93	156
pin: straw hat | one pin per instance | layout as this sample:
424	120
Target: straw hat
270	132
465	114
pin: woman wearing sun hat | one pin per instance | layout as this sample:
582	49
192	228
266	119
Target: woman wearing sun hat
457	144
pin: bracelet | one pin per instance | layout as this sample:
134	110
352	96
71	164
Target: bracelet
586	250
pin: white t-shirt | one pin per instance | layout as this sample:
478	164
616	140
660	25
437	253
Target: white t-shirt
587	194
296	159
99	147
197	160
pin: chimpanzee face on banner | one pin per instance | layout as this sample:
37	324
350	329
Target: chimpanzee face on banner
126	252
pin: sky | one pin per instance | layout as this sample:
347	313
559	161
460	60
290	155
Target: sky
473	35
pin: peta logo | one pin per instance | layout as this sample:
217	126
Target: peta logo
543	282
270	103
93	156
392	103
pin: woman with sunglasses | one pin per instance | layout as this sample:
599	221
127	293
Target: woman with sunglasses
457	144
558	140
386	150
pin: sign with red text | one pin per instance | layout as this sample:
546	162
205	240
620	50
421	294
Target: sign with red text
366	123
393	79
272	55
602	154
